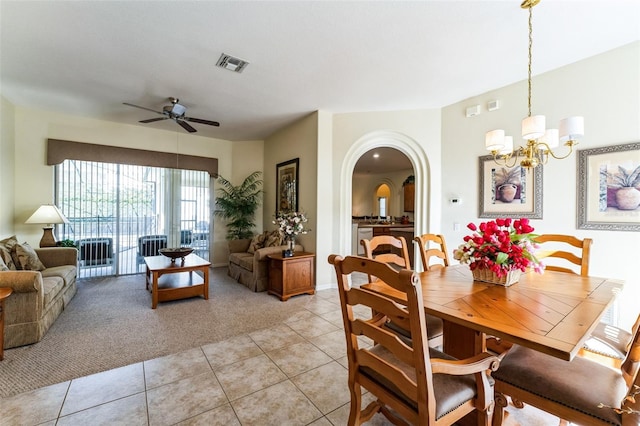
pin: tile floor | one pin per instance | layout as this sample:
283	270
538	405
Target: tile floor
292	374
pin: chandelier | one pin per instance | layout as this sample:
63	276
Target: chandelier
540	141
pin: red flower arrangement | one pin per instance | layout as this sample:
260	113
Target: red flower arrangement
501	245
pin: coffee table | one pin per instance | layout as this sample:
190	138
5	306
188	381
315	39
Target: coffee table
176	280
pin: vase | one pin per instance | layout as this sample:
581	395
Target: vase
291	247
627	198
488	276
507	192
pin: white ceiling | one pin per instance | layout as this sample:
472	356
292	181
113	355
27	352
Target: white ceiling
87	57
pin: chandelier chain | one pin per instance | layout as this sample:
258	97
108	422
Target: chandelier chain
530	56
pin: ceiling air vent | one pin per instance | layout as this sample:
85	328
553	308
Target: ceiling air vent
231	63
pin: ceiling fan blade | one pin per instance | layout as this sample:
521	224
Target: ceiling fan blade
141	107
186	126
151	120
201	121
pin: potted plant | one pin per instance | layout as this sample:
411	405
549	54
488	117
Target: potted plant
507	181
627	195
238	204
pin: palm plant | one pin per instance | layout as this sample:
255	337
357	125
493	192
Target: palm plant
626	178
238	205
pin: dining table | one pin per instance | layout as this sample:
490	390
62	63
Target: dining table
552	312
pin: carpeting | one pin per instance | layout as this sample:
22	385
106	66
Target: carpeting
110	323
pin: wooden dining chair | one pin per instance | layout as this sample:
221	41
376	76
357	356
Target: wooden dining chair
428	252
607	344
435	326
557	246
411	383
580	391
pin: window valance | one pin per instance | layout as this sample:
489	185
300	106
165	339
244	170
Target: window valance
60	150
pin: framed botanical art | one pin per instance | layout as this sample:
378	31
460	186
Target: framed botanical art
287	186
509	191
609	188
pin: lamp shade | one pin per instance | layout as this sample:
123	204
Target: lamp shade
571	128
533	127
551	138
494	140
508	146
47	214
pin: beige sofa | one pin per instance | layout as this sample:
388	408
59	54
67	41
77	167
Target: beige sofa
38	296
248	263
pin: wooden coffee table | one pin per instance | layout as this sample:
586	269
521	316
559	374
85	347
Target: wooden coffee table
176	280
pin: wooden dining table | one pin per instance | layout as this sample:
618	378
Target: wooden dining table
553	312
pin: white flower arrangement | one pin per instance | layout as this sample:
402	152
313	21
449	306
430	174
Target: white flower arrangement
291	224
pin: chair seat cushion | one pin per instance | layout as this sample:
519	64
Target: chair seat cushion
580	384
450	391
609	341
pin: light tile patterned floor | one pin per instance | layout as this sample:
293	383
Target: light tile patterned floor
292	374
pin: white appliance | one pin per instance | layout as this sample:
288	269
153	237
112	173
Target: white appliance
363	234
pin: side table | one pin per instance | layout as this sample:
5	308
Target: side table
290	276
4	293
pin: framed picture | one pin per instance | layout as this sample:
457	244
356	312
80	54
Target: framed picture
287	186
509	191
609	188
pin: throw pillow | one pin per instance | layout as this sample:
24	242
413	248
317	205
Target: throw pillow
29	260
7	246
273	239
256	243
3	266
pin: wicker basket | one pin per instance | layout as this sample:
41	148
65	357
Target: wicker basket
488	276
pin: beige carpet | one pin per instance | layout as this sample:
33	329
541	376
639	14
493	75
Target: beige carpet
110	323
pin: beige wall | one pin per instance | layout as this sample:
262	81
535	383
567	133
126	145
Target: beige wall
34	180
605	89
299	140
7	154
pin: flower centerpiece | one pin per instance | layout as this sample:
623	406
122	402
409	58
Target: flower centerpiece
499	250
291	224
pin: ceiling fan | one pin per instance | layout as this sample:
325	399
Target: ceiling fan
175	112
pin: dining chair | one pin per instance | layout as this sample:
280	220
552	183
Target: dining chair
411	382
557	246
578	391
435	326
607	344
428	252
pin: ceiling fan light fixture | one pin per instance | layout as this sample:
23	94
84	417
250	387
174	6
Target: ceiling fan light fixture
231	63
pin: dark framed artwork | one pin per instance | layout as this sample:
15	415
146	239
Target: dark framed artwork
287	186
609	188
509	191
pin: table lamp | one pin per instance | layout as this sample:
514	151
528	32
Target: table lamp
48	215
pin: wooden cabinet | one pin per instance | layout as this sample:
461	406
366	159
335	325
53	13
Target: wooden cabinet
290	276
409	197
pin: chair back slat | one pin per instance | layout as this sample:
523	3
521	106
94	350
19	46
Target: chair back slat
557	244
631	364
428	252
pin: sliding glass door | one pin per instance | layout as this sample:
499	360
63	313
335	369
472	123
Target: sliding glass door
120	213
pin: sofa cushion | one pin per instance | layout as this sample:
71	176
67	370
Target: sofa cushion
51	287
244	260
66	272
256	243
28	258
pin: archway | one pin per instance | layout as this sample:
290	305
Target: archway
419	161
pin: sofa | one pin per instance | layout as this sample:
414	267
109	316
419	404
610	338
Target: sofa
43	281
248	262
